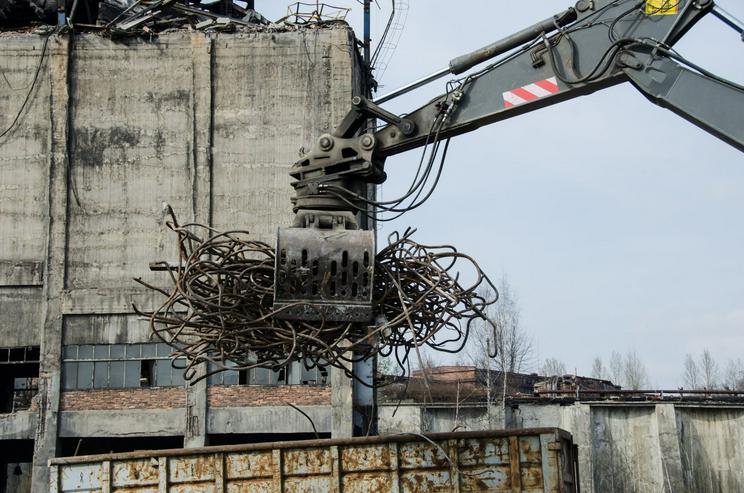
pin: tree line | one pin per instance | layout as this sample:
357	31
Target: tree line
516	353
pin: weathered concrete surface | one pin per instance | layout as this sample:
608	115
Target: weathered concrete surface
131	150
649	447
20	425
399	419
413	418
20	316
105	329
24	155
269	419
123	423
712	448
113	129
625	451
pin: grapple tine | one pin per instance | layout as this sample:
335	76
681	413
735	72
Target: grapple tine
324	274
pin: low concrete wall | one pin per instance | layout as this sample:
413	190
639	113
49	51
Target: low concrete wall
648	447
624	447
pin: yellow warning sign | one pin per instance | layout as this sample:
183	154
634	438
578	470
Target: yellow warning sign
662	7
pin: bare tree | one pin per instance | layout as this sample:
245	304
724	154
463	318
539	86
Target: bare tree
708	370
598	369
552	367
513	347
634	371
691	377
617	370
733	377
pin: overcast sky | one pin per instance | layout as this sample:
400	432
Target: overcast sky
619	224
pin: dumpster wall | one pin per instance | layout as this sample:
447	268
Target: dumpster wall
529	461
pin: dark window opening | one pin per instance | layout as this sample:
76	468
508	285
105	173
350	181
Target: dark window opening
242	438
295	374
15	465
147	373
19	378
70	447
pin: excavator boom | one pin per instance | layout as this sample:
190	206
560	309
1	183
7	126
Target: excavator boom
324	266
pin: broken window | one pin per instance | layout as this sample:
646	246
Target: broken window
295	374
101	366
227	377
313	376
19	378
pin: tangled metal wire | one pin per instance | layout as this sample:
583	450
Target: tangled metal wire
219	309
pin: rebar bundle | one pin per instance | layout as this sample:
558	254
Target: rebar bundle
219	309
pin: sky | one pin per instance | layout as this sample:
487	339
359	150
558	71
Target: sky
619	225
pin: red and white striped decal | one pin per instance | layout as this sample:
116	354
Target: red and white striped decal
530	92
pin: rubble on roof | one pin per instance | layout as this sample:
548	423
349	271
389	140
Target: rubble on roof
136	17
127	16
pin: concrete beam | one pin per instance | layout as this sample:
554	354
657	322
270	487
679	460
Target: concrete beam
268	420
20	425
122	423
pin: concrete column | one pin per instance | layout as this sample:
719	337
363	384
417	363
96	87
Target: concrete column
195	434
671	457
577	420
200	168
59	53
342	404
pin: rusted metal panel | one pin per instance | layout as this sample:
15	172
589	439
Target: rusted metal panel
81	477
528	461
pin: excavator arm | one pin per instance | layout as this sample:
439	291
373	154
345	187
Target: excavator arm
325	266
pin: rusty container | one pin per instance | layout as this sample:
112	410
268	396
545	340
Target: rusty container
528	460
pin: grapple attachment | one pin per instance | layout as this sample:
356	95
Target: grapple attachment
324	271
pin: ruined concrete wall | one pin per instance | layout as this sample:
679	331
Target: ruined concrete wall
624	447
648	447
112	130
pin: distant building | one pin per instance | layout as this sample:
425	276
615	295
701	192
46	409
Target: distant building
470	385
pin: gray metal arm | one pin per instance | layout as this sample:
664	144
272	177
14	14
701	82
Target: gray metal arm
595	45
714	105
634	46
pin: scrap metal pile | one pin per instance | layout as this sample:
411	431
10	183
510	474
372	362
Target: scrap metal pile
131	16
219	308
123	16
136	17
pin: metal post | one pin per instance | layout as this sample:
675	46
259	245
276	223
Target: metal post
364	396
367	37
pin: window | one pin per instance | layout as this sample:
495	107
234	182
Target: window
227	377
19	377
295	374
106	366
313	376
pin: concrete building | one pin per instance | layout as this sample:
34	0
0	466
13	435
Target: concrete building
111	130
